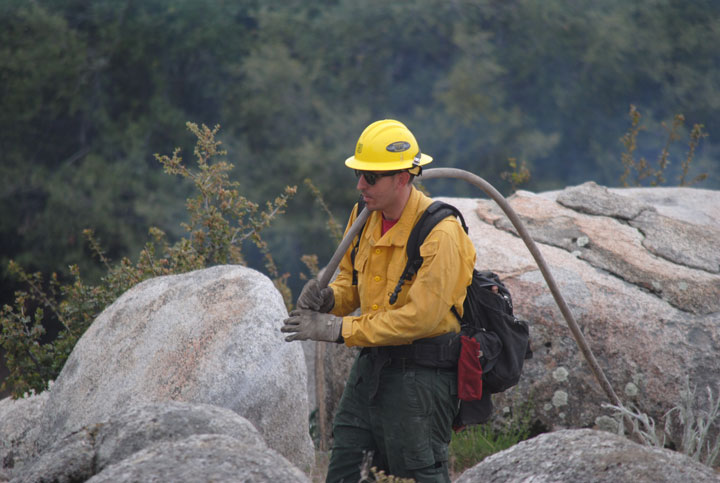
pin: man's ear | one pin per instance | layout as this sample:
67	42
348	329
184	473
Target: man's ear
403	178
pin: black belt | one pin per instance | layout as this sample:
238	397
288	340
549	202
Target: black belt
425	354
440	351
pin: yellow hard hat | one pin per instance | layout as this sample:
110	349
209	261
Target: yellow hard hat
387	145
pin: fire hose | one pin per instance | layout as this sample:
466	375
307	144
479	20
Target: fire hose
473	179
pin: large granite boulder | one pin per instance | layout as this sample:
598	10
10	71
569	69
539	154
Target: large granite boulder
174	441
208	457
586	455
642	282
210	336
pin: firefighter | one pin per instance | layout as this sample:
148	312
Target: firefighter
400	398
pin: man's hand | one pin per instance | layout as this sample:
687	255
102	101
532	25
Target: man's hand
308	324
312	298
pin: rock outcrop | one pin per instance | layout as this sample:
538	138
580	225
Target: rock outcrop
210	336
213	458
643	285
169	441
586	455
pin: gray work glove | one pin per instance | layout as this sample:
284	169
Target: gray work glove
313	298
308	324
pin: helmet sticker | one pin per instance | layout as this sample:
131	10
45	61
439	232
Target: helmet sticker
398	146
359	148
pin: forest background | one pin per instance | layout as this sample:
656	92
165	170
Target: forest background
91	90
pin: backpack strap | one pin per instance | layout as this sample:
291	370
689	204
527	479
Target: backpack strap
353	252
434	213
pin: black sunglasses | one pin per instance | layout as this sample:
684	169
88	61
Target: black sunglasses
371	177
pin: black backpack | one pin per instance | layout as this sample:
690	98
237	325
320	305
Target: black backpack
487	317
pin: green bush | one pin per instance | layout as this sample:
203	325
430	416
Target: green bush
473	444
221	221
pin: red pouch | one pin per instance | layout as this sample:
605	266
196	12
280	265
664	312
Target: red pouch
469	370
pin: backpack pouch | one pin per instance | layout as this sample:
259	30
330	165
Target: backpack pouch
469	370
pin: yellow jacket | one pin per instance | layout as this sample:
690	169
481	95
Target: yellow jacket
423	306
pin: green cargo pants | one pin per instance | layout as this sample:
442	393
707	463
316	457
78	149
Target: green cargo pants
403	416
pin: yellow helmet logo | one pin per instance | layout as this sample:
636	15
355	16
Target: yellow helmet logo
398	147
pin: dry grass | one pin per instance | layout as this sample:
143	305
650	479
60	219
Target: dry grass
696	438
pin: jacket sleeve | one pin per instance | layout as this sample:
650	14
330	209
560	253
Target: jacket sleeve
441	282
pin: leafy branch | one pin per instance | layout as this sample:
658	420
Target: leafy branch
642	168
221	220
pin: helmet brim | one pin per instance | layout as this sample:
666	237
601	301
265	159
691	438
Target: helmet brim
354	163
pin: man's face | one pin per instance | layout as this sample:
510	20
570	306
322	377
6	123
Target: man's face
383	195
